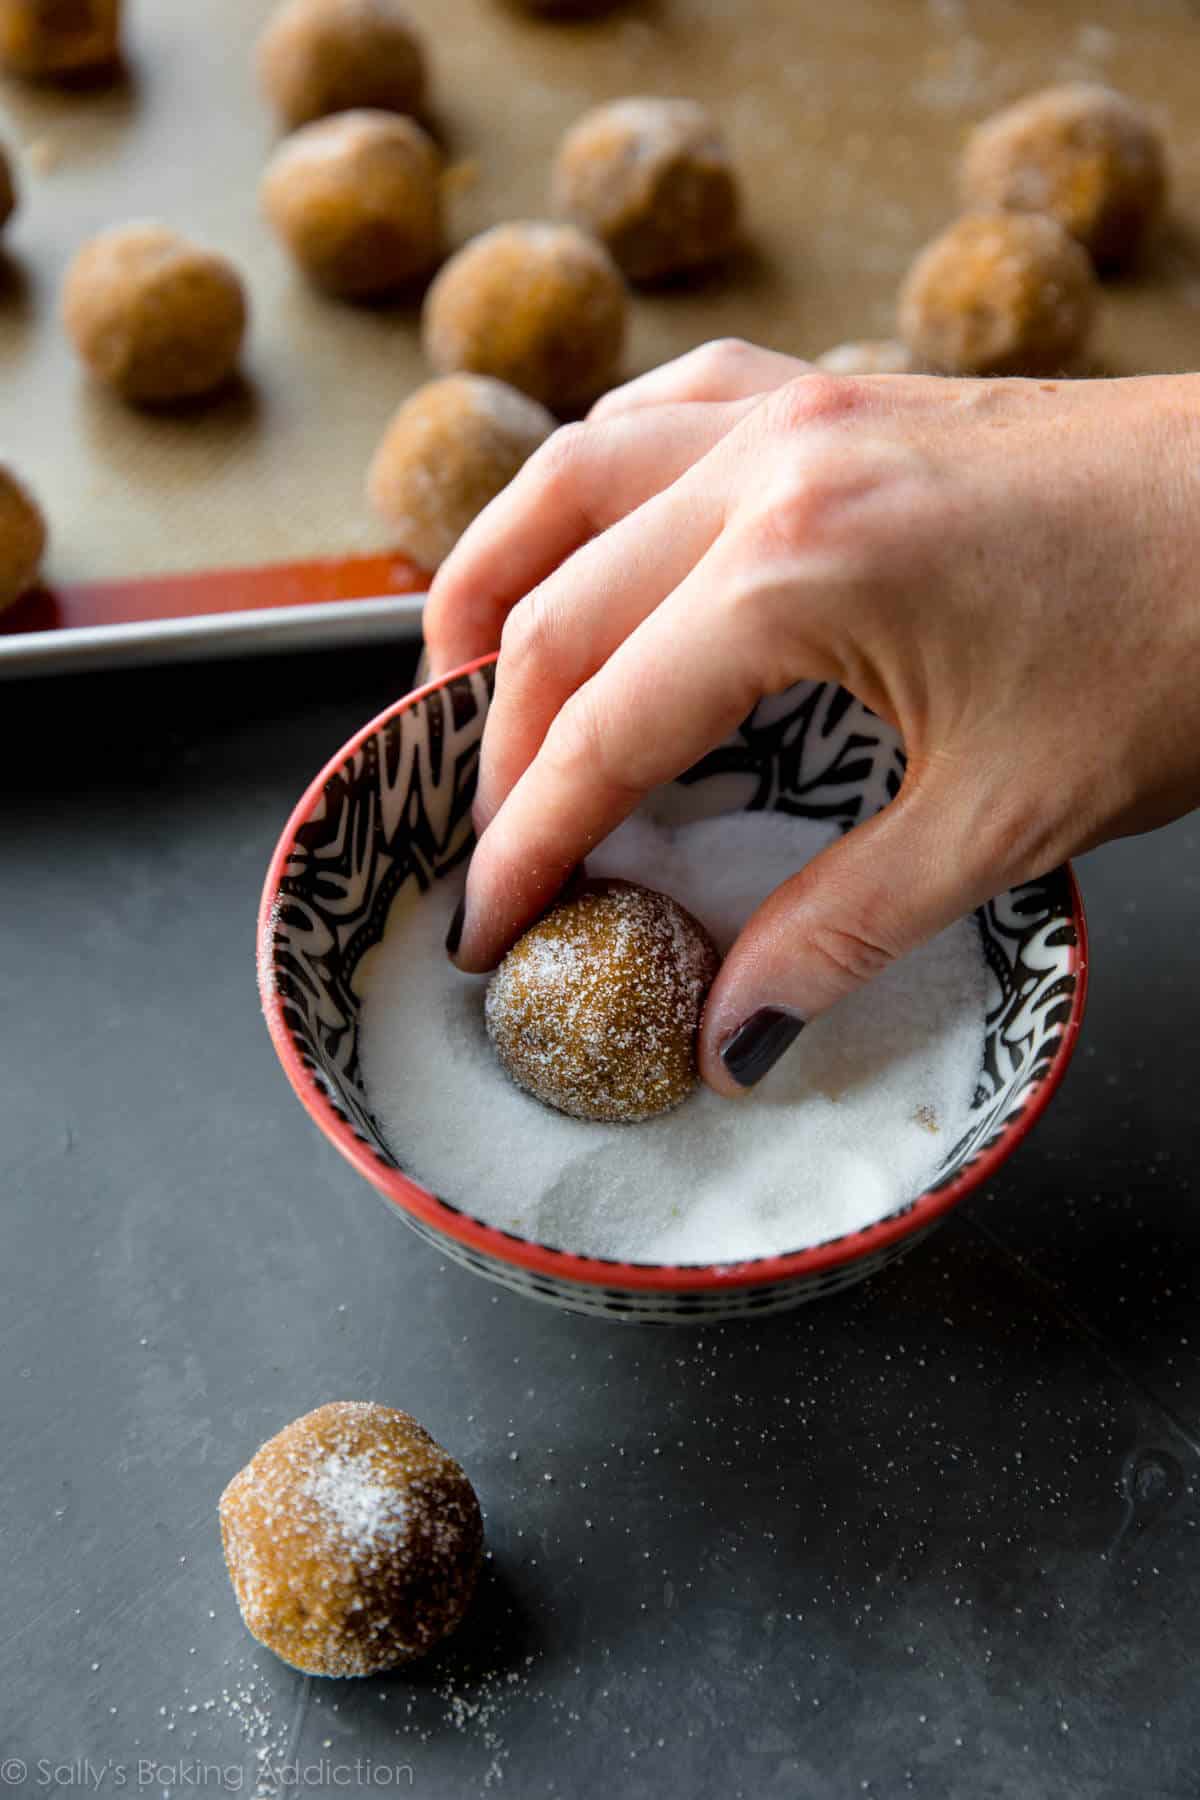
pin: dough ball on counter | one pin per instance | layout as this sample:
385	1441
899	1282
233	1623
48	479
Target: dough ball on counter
353	1540
22	538
52	39
653	180
870	356
153	316
450	449
357	201
1085	154
999	293
541	306
595	1009
328	56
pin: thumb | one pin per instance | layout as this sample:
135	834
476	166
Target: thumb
876	894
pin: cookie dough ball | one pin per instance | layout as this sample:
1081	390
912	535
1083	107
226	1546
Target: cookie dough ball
1085	154
48	39
999	293
542	307
353	1541
153	316
871	356
450	449
22	538
653	180
357	201
595	1010
8	189
328	56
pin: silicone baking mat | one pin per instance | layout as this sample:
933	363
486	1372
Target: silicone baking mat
845	121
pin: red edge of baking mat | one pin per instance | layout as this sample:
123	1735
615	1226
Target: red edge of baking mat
205	591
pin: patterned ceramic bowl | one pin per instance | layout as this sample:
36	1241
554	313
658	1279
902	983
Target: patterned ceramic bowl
393	809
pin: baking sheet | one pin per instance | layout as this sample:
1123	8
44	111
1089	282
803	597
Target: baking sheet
204	613
845	122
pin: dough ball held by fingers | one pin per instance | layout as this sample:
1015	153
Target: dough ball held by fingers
594	1010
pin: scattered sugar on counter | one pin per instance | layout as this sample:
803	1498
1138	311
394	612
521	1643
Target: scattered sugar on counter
851	1124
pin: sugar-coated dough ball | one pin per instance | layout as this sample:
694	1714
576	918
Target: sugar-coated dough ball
328	56
8	189
450	449
1083	153
154	316
653	180
353	1541
595	1010
49	38
999	293
542	307
22	538
357	200
870	356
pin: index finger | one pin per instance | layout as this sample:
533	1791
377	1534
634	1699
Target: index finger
725	369
583	480
672	691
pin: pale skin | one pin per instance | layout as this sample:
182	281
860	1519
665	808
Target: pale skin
1008	571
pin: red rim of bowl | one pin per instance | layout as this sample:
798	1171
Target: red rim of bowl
590	1271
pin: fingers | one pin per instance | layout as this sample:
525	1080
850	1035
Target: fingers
876	894
672	690
724	370
565	631
584	479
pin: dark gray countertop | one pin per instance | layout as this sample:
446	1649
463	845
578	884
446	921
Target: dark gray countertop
935	1537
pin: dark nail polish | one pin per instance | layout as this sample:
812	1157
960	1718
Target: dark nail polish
454	935
757	1045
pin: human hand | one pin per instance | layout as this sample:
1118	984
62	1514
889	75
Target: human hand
1005	570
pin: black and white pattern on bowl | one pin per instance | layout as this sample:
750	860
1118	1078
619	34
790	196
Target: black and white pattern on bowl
396	814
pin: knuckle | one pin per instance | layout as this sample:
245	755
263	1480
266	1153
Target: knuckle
558	463
728	352
526	633
816	398
851	956
710	369
837	497
803	505
580	746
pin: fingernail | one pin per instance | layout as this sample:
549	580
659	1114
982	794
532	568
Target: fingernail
454	935
757	1045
